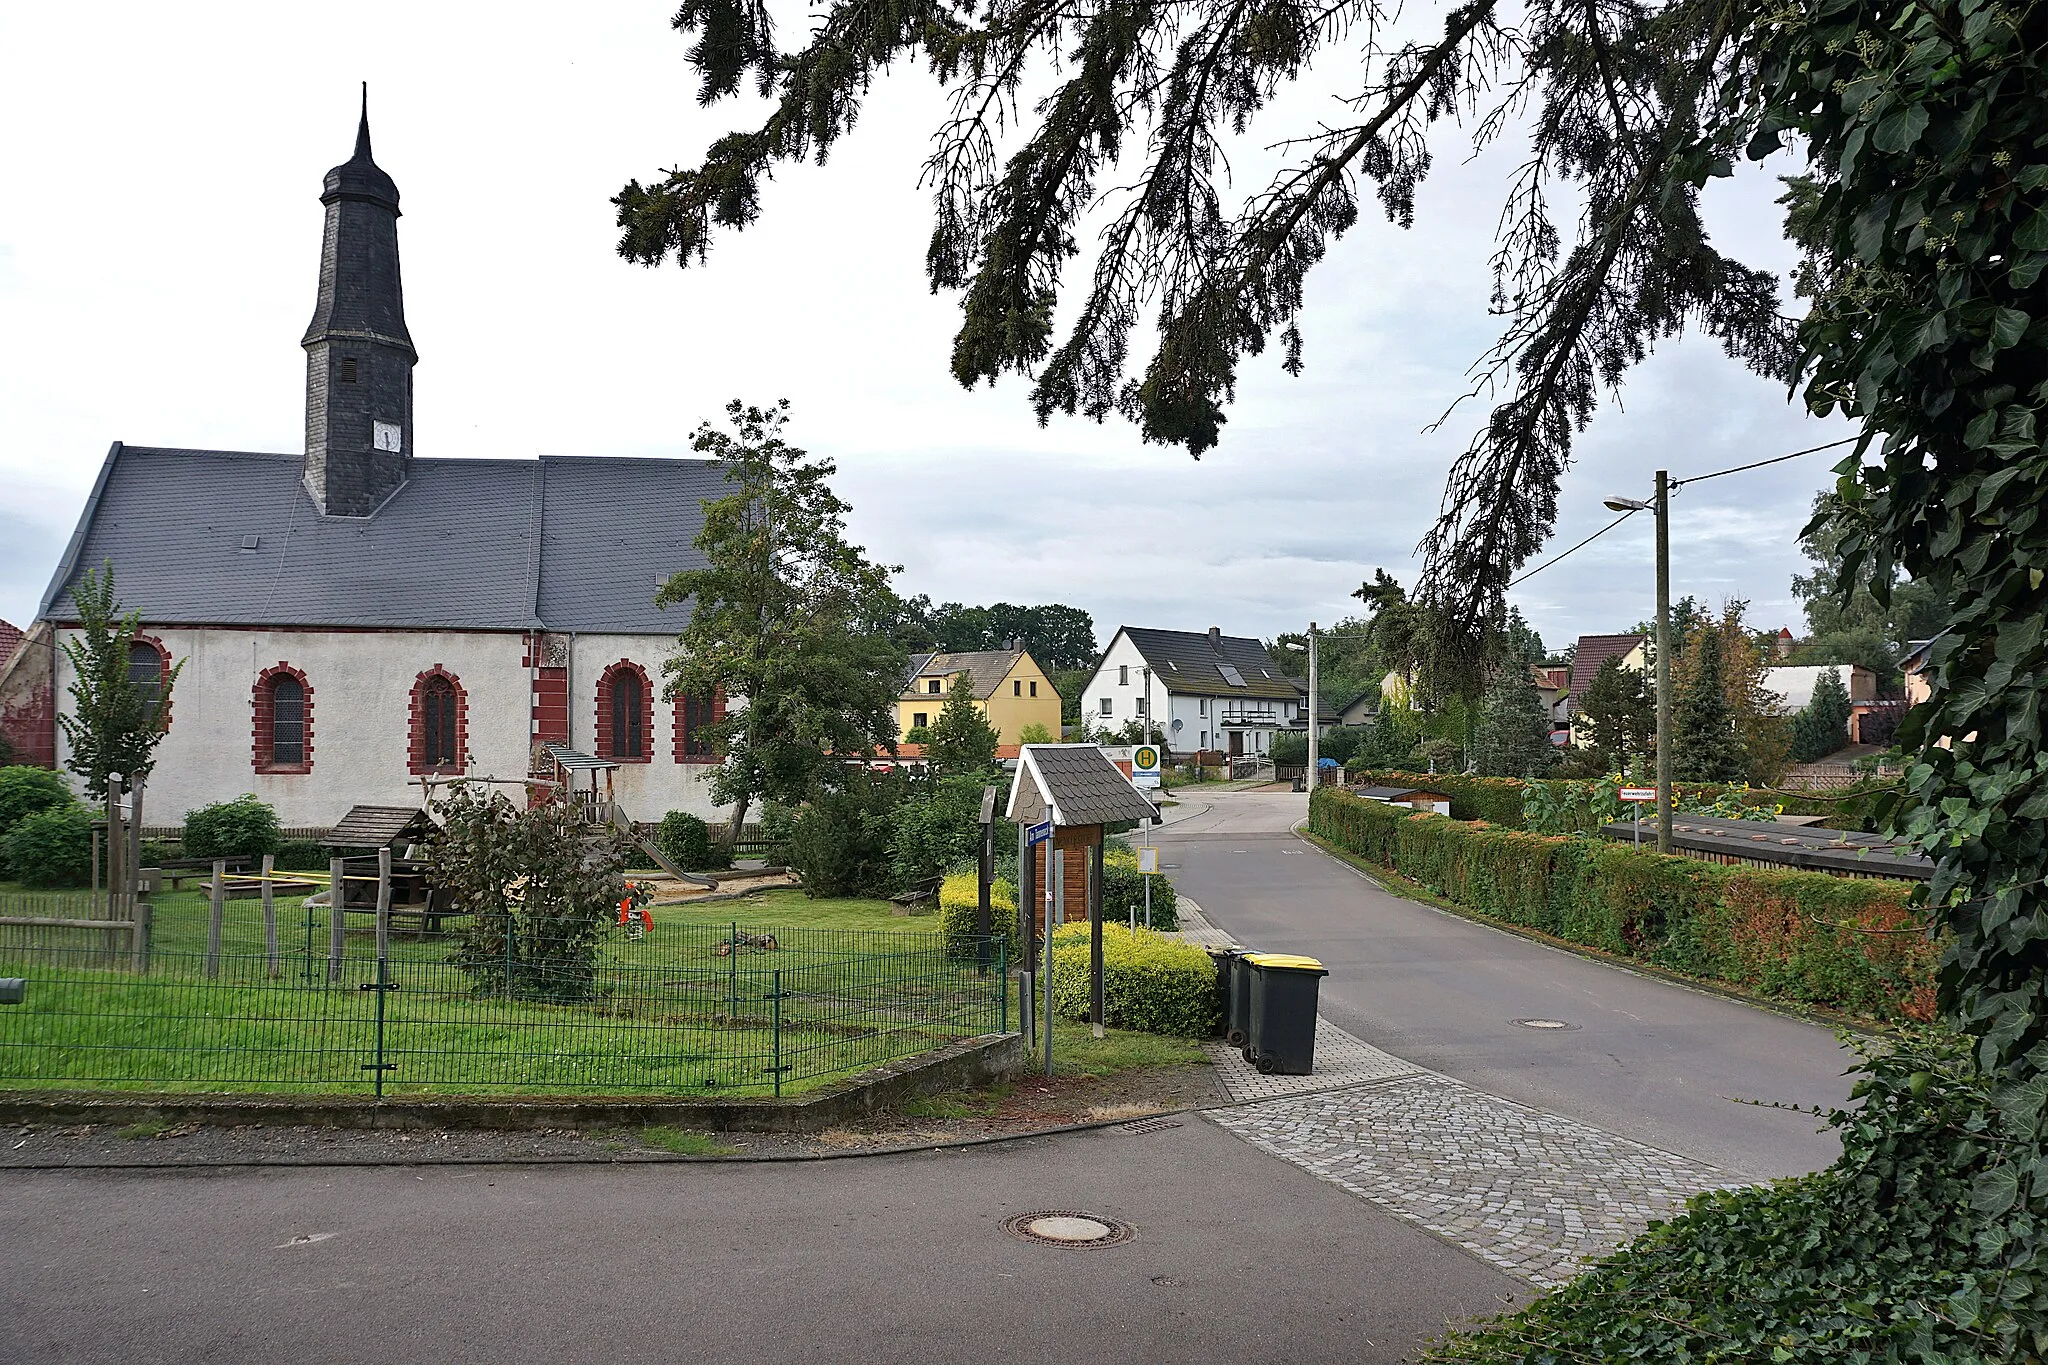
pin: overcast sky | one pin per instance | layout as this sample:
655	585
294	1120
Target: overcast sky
159	248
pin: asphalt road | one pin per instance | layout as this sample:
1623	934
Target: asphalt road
1644	1058
1236	1257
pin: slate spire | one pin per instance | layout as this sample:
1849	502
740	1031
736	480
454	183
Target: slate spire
359	356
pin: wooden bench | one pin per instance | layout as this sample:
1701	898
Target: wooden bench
177	870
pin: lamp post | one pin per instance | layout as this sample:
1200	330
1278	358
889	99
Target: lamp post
1314	747
1661	505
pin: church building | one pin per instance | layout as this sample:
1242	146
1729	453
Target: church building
358	617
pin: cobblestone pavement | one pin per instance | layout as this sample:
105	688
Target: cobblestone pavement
1536	1194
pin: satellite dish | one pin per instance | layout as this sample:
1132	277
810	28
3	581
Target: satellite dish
1176	725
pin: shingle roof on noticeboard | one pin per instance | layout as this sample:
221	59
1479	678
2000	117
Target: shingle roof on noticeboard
1079	783
210	537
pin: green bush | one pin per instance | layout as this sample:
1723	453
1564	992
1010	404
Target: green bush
685	840
301	855
1123	892
1843	943
51	848
960	901
24	791
935	832
839	841
242	828
1150	983
157	852
1908	1249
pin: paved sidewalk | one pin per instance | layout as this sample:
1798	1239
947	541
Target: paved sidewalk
1534	1193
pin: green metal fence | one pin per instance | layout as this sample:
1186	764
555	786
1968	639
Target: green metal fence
691	1010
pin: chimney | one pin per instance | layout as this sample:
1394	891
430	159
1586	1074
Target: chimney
1216	638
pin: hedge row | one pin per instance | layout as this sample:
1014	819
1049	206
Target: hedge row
1851	944
960	899
1498	800
1150	982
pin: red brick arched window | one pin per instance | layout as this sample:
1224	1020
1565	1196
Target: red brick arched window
149	663
440	723
694	718
625	709
283	730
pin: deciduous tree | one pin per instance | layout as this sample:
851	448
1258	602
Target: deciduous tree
787	615
116	718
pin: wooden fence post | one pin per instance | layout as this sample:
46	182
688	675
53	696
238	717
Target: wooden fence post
337	870
270	915
384	902
215	905
138	941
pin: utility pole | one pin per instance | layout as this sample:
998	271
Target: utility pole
1661	505
1145	702
1663	661
1315	771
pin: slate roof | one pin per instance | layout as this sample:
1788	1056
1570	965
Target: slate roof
377	826
1190	662
1593	651
988	668
556	543
11	637
1081	784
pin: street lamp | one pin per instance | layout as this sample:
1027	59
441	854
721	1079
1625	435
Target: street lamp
1315	775
1661	505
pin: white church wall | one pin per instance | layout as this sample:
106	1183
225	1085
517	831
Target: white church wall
361	685
647	790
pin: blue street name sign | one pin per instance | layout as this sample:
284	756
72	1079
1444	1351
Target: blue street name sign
1038	833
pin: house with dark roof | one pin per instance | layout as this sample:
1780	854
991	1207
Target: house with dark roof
1587	657
359	617
1201	690
1011	691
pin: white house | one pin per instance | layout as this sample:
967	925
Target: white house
1203	691
354	619
1795	684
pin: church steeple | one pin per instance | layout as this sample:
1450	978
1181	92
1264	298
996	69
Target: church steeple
359	356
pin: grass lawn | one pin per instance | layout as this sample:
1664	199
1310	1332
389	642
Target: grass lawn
675	1011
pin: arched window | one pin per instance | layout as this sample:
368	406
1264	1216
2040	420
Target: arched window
440	723
283	739
694	718
624	698
149	663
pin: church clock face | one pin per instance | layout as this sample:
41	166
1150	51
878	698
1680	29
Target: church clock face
386	437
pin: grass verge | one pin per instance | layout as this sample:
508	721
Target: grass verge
683	1142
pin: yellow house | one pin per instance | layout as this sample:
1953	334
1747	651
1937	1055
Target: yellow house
1593	651
1010	690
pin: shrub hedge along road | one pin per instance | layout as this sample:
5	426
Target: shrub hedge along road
1850	944
1150	983
1498	800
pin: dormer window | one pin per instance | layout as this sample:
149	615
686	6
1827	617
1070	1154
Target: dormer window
933	686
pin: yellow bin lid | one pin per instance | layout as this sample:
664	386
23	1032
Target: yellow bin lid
1291	961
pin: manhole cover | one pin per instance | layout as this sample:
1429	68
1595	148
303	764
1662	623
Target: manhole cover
1066	1228
1544	1023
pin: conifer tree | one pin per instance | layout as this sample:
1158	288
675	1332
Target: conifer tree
1823	726
1512	738
961	743
1703	743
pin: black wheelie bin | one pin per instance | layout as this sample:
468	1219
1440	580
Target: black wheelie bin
1282	1014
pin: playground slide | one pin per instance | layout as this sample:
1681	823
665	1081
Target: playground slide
661	861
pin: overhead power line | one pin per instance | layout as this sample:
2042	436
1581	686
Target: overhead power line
1675	485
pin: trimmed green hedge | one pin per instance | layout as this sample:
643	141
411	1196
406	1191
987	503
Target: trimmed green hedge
1498	800
1150	982
1841	942
960	899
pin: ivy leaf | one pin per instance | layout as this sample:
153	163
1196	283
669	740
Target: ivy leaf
2008	325
1901	130
1994	1191
2032	235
